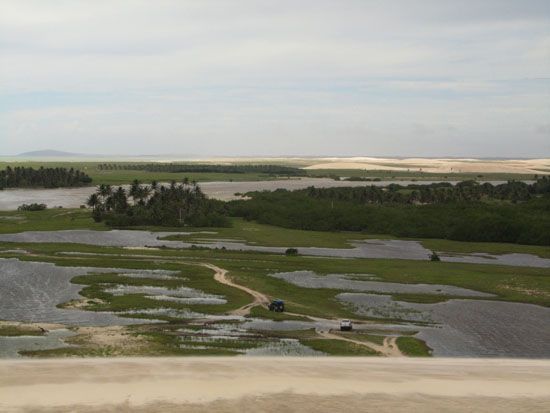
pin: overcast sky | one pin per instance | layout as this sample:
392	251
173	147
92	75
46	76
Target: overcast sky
365	78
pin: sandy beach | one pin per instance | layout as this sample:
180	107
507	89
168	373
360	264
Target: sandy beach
274	384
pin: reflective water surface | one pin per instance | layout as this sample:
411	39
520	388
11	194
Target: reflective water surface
30	292
467	328
394	249
10	199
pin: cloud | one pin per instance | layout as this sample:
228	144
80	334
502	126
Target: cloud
296	77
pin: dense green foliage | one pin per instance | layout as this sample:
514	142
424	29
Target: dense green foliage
32	207
463	215
239	169
360	179
174	206
21	177
442	192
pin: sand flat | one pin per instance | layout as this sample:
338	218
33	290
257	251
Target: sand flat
441	165
267	384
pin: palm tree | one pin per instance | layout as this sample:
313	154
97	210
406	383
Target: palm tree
93	201
135	190
104	190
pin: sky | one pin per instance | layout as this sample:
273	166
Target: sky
271	78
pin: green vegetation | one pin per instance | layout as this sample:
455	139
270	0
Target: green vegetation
47	220
344	209
261	312
126	176
448	246
513	212
251	269
175	205
520	284
435	193
193	276
32	207
253	233
413	347
363	336
22	177
415	175
332	347
272	170
373	338
7	330
338	347
249	232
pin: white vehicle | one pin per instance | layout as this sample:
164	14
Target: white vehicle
346	325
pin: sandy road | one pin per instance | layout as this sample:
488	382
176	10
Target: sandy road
259	298
250	384
388	349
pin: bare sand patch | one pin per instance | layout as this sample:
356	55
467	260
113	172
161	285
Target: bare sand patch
110	336
274	384
520	166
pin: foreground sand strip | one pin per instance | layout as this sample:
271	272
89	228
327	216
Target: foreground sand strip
57	384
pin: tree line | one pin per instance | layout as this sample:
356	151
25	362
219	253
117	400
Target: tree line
174	205
514	212
461	218
28	177
188	168
442	192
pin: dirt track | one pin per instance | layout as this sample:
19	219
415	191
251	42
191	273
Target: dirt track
388	349
259	298
271	384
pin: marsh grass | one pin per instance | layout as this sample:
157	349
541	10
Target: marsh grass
413	347
16	331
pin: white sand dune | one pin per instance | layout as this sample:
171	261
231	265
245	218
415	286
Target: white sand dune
435	165
274	384
523	166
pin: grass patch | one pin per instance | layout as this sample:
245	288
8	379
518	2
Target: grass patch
261	312
361	336
16	331
413	347
494	248
338	347
519	284
252	233
249	232
48	220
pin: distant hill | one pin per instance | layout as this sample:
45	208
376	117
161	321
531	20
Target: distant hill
51	153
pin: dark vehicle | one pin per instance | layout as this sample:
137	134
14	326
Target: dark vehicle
277	306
